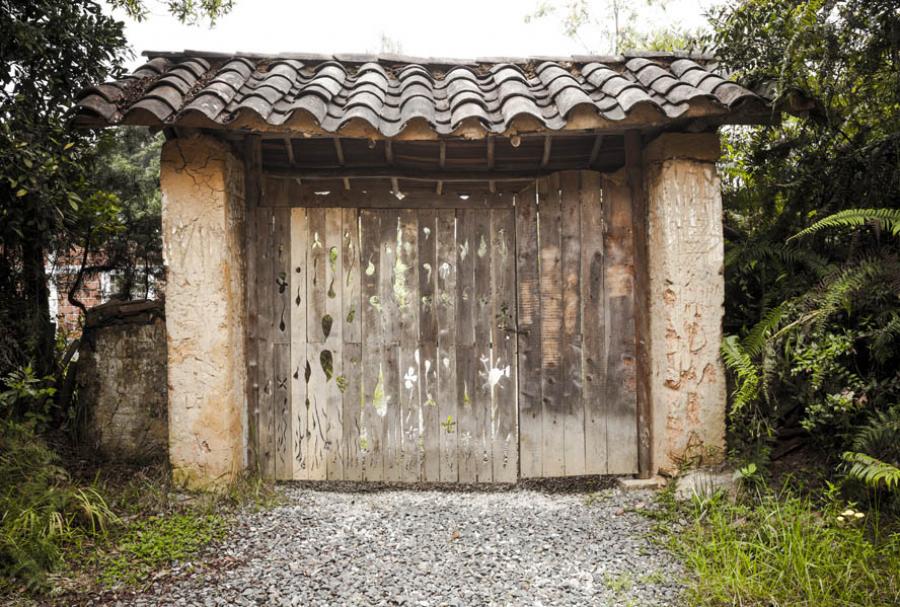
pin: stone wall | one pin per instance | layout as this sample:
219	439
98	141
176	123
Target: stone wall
122	381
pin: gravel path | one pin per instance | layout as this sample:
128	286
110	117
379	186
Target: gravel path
424	548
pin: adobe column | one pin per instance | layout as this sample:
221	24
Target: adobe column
202	185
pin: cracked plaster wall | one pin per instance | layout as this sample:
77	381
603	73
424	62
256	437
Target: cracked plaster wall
203	221
687	294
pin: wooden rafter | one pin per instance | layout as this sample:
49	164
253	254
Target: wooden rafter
339	151
449	176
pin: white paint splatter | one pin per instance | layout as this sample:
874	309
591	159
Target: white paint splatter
482	247
427	231
444	271
410	379
427	267
493	374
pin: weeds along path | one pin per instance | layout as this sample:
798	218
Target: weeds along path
424	548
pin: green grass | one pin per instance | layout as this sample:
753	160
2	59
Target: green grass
782	550
156	542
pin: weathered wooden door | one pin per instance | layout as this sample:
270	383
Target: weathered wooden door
577	399
393	354
476	340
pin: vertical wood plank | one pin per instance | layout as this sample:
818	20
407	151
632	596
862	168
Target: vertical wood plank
643	372
351	357
332	331
428	343
553	451
299	424
252	159
593	306
529	335
466	360
265	287
482	406
284	466
620	370
502	375
316	295
251	344
406	294
390	357
371	434
446	312
571	377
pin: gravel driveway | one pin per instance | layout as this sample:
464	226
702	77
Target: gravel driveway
423	548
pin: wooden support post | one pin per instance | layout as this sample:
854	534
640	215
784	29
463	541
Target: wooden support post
252	183
635	178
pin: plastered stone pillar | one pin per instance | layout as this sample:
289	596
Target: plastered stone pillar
203	220
686	291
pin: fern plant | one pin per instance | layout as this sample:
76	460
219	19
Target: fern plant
886	219
873	472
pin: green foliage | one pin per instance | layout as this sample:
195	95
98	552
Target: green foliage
157	541
812	286
873	472
782	550
41	509
888	219
26	396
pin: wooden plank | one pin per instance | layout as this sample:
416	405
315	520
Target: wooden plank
382	172
405	287
351	356
332	330
553	450
390	356
502	375
428	346
593	310
374	405
571	377
466	360
265	288
281	260
482	405
252	160
316	296
621	402
446	303
297	280
529	336
634	172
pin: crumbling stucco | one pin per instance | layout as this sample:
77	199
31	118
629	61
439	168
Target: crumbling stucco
686	293
203	220
122	386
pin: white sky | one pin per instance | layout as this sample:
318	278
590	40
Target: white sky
448	28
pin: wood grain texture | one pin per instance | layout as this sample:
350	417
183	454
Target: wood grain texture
571	372
333	339
265	288
351	351
430	469
553	433
529	336
281	260
502	375
466	356
620	369
374	406
405	288
390	357
297	287
252	160
594	322
446	312
316	295
482	405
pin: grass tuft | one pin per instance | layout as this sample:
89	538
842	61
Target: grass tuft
780	550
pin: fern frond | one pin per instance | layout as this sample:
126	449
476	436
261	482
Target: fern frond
873	472
747	374
880	435
889	219
756	339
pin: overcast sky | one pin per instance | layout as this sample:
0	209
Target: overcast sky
450	28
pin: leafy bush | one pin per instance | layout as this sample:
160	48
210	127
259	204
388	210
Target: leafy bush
41	509
783	550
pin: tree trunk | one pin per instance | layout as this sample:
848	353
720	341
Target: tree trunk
37	315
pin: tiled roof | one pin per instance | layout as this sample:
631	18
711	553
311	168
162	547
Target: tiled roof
389	93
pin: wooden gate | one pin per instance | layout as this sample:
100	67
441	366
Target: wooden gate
393	349
408	340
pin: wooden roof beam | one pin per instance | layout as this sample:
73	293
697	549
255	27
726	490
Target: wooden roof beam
490	161
406	174
339	152
595	151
